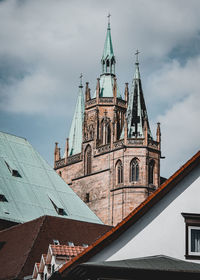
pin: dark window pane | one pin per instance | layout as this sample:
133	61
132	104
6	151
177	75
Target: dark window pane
195	240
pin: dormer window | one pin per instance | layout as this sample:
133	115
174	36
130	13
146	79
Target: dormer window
56	242
3	198
13	170
71	244
57	205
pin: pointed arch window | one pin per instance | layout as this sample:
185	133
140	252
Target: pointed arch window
88	160
119	172
101	131
108	134
151	171
134	170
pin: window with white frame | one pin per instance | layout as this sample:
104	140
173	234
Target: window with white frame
194	240
192	235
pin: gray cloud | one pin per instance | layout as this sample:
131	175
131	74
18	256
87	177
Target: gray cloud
45	45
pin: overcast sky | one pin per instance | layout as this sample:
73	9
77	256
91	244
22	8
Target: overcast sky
46	44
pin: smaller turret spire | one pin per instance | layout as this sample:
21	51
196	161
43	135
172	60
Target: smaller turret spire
137	117
75	134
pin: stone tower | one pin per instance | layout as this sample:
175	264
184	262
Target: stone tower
111	159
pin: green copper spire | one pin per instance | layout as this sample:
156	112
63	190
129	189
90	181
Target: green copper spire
136	111
75	134
108	58
108	68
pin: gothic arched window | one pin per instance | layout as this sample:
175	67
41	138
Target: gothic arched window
108	134
151	171
119	172
118	129
88	160
134	170
101	132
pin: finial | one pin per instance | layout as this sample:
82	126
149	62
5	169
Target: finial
136	54
81	80
108	16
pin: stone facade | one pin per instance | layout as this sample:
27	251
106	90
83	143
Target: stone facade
110	200
119	162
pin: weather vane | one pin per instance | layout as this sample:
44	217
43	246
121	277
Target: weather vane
137	53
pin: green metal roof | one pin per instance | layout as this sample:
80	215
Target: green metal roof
30	188
106	87
108	48
75	134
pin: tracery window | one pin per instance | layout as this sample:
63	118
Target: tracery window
151	171
119	172
88	160
134	170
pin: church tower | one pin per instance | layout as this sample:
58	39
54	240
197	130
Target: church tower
111	159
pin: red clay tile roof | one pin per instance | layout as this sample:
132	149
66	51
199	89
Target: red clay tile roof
22	245
133	217
64	250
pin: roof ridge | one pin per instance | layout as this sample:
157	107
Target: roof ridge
13	135
31	245
141	209
20	224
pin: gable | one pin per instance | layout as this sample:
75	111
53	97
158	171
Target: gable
162	229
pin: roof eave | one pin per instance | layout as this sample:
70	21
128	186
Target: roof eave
134	216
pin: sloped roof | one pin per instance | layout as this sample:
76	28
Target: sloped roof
136	112
64	250
75	134
139	267
31	188
108	47
22	245
134	216
151	263
106	87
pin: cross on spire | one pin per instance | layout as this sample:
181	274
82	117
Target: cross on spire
108	16
81	80
136	54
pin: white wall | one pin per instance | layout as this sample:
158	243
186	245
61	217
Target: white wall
162	230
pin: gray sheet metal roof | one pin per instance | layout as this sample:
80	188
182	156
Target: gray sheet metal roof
29	193
161	263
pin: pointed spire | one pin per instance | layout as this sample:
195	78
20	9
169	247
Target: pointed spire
87	92
97	90
56	152
126	93
75	134
158	135
107	76
108	58
137	71
66	149
136	111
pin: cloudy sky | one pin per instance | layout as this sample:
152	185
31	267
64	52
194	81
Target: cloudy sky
46	44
